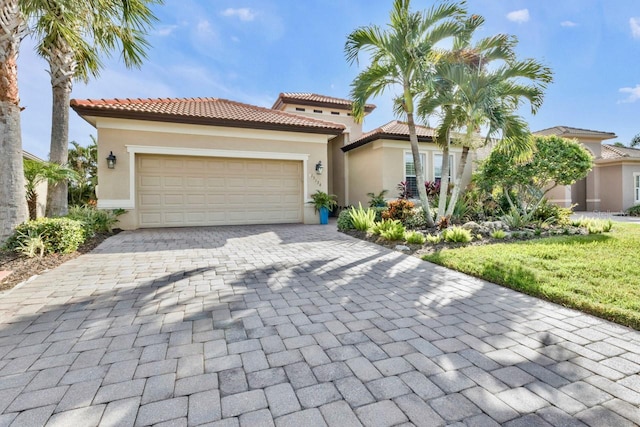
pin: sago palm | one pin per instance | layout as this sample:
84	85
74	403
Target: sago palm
399	54
13	209
483	85
71	36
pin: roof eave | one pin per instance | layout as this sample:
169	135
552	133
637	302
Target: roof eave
171	118
393	137
285	100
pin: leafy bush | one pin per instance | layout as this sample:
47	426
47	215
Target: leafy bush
378	211
404	191
417	220
95	220
30	245
344	220
361	218
392	230
634	210
434	239
594	226
457	235
380	226
377	200
415	238
498	234
59	235
514	219
552	213
400	209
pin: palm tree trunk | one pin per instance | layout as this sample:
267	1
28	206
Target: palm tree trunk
13	209
458	181
422	191
63	65
444	178
32	204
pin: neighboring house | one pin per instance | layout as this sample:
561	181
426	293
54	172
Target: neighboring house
614	183
209	161
41	189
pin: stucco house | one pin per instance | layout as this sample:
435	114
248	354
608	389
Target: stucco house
614	183
41	188
210	161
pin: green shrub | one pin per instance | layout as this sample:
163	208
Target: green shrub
552	214
434	239
593	225
415	238
634	210
393	231
498	234
377	200
30	245
457	235
514	219
362	219
95	220
380	226
417	220
344	220
379	210
59	235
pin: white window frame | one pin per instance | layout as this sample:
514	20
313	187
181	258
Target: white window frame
636	187
437	164
423	159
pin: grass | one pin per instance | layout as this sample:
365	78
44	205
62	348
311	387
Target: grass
598	273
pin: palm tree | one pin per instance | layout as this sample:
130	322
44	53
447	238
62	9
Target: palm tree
36	172
13	210
470	95
399	56
71	35
83	160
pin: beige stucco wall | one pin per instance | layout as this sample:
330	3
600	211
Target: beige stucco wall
612	191
380	165
336	169
344	117
116	135
41	191
628	196
560	195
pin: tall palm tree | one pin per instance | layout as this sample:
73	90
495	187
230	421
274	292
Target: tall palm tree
71	35
36	172
13	209
399	55
471	94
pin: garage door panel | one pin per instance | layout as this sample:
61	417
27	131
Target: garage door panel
185	191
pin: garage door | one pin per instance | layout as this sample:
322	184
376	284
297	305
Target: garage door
178	191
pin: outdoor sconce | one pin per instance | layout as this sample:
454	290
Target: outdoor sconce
111	160
319	167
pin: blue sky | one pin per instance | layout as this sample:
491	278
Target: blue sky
250	51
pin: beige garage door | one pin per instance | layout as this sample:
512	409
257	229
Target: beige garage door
178	191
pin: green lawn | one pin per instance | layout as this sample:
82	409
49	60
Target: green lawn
598	274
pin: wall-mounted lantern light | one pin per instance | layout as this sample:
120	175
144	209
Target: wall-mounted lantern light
319	168
111	160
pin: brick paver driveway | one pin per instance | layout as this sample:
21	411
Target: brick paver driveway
298	326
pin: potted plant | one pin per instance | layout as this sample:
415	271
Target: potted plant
323	204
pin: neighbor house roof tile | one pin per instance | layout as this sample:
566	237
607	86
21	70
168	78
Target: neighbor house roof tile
616	152
393	130
315	100
206	111
569	132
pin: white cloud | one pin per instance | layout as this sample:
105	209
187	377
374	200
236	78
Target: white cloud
634	94
568	24
519	16
204	28
243	13
165	30
634	24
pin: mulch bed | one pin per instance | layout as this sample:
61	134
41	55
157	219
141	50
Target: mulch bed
23	268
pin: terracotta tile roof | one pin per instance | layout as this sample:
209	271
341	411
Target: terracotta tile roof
614	152
569	132
205	111
393	130
315	100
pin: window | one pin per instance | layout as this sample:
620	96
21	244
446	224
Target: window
636	185
437	166
335	113
317	111
410	172
299	109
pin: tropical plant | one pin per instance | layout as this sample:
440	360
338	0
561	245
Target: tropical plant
514	219
404	190
30	244
95	220
635	141
344	220
498	234
13	209
400	209
377	200
70	36
594	225
361	218
37	172
393	231
634	210
320	199
59	235
385	224
481	84
456	234
400	56
556	161
84	160
434	239
416	220
414	238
